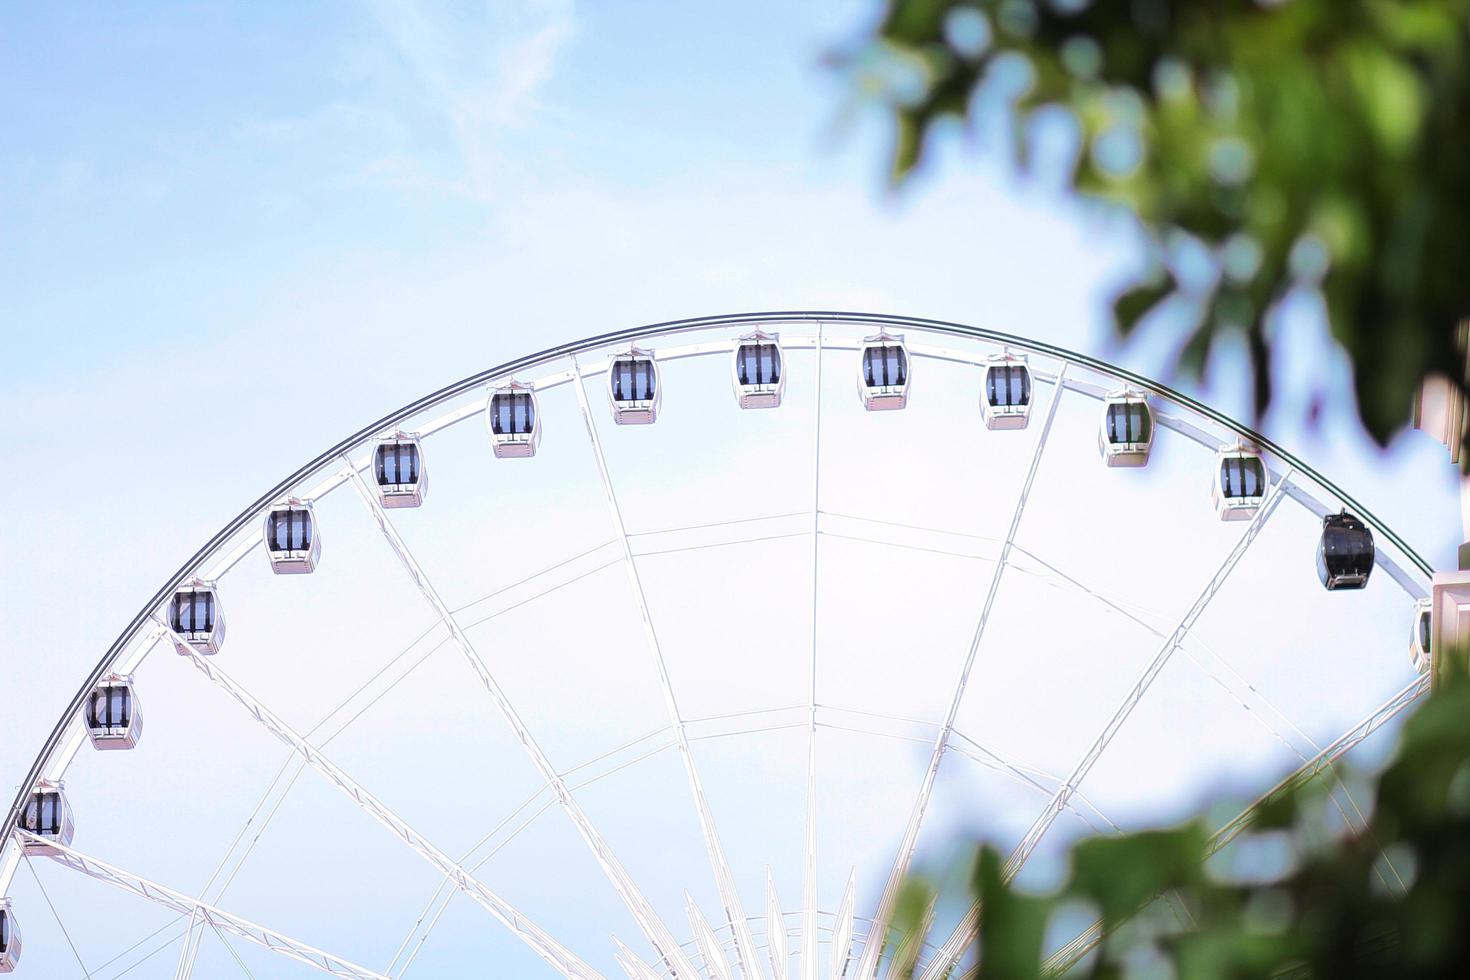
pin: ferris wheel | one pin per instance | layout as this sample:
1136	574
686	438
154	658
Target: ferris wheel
708	635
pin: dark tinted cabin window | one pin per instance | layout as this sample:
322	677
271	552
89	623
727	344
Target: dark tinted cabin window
885	367
1007	385
397	464
4	931
1129	422
1347	545
110	707
1242	477
512	413
759	364
1424	625
633	380
42	814
193	612
290	530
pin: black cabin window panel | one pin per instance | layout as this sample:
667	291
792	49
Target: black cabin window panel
633	380
1008	385
1242	477
512	413
42	814
760	364
398	465
110	707
1424	630
885	367
1129	423
193	612
290	530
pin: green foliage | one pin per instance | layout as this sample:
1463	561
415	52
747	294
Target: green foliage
1317	144
1292	895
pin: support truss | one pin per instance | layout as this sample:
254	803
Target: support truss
642	911
965	932
1064	959
878	934
218	918
724	877
842	929
559	957
776	931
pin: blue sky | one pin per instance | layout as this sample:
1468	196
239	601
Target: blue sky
230	234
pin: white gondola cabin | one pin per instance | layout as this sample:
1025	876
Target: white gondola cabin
758	371
633	388
196	618
1126	433
514	423
292	540
883	373
1240	483
1344	553
47	815
113	716
9	938
1005	394
1420	631
399	472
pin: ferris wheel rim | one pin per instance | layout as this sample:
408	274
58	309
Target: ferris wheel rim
391	421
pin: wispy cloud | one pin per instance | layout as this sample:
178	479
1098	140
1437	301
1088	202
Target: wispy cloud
485	75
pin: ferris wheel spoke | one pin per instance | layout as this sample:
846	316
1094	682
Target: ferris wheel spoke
218	918
1048	816
809	872
878	933
559	957
643	913
724	878
965	932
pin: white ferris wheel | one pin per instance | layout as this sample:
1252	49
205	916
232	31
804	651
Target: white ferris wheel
708	633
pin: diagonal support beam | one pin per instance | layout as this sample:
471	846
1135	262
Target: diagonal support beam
878	934
842	928
218	918
776	931
1064	959
559	957
965	932
642	911
709	945
724	877
634	967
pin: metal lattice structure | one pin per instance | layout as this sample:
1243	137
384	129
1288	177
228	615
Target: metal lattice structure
602	866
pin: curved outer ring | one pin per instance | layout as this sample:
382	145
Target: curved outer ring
389	421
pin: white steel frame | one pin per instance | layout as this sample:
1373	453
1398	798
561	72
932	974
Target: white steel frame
924	339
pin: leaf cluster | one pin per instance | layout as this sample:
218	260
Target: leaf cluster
1297	144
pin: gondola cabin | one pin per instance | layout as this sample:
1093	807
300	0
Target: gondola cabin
398	471
1420	631
1240	484
1005	392
633	387
47	815
1345	552
113	716
292	540
759	374
9	938
883	373
196	619
1126	434
514	423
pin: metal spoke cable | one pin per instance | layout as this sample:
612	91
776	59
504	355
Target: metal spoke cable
57	915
